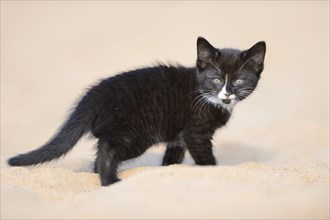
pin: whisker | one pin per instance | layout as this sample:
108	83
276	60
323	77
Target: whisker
244	92
246	88
202	103
200	100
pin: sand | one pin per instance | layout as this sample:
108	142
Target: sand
273	156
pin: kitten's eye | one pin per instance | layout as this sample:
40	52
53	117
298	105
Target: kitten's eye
239	82
217	81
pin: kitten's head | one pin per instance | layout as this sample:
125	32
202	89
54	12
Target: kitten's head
227	76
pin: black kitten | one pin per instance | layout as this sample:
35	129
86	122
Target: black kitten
130	112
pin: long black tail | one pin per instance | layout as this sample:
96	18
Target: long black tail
78	124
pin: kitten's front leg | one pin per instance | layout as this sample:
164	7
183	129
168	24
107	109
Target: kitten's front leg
200	149
174	154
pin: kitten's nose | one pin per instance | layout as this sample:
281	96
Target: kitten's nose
227	100
228	94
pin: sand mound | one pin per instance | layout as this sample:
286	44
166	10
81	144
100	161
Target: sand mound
250	190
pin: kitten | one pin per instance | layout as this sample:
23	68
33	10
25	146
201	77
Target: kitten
134	110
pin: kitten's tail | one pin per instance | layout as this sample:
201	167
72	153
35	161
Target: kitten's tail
78	124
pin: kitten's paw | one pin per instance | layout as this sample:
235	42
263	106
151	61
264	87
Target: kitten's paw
170	162
109	182
173	155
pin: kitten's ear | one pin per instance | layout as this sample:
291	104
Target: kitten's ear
205	52
257	55
257	52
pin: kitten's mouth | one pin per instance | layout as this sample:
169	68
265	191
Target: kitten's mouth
226	101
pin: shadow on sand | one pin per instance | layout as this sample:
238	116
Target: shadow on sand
236	153
227	154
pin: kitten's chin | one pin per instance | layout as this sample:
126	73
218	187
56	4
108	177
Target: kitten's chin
227	104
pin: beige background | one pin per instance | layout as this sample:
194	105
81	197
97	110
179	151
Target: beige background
274	151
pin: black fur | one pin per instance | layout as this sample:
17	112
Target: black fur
132	111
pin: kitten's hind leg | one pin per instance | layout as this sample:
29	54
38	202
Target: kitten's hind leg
106	163
174	154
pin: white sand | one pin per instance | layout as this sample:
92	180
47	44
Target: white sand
273	155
